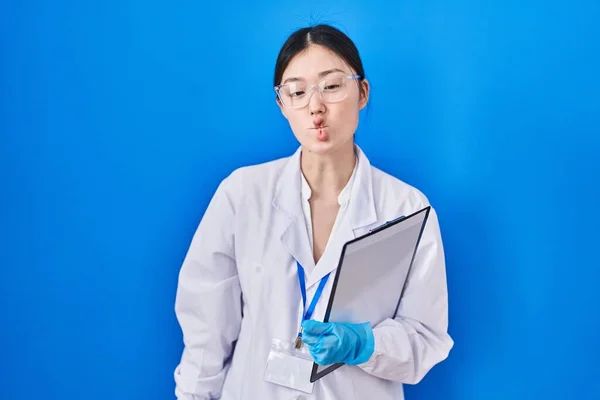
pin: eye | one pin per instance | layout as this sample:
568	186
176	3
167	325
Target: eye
334	86
297	93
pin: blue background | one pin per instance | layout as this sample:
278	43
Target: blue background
118	120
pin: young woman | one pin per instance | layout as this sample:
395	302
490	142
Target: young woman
272	226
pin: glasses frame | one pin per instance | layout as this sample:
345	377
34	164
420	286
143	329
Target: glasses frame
312	88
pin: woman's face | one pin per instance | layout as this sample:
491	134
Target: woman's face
322	127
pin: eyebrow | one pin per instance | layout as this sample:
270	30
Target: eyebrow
321	75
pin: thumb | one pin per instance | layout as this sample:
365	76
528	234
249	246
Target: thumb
315	328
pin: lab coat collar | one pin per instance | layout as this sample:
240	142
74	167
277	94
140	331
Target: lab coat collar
360	214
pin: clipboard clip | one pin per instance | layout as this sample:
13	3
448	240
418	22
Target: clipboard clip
387	223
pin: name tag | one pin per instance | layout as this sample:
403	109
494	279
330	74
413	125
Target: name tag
289	366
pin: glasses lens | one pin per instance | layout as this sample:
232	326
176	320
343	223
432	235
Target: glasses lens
334	89
294	94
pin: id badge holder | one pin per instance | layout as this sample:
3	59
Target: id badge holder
288	366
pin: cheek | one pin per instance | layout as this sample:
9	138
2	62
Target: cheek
297	122
347	117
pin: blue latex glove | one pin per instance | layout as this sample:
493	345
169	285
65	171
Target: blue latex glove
334	342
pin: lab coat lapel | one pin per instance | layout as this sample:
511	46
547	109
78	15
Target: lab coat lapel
288	203
330	259
360	216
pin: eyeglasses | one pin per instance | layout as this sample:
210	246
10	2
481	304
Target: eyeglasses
298	94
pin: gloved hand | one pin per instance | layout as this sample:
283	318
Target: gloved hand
334	342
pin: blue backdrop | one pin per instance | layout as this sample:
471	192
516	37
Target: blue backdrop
118	120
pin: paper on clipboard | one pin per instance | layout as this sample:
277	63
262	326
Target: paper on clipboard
371	275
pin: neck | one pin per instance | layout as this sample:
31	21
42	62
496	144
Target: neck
327	175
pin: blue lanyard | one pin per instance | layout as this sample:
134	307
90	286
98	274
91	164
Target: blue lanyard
307	314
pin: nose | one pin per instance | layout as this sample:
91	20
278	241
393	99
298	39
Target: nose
315	103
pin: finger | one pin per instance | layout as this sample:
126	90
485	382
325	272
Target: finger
325	351
318	353
310	339
315	328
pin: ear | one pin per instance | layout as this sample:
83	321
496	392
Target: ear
364	93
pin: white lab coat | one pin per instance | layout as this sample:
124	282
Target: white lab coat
238	288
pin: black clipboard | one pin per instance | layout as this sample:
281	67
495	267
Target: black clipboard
316	374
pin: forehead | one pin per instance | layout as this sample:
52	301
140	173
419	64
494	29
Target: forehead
309	63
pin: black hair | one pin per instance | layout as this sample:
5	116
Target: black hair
323	35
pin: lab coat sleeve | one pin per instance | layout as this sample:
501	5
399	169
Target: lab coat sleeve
409	345
208	301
